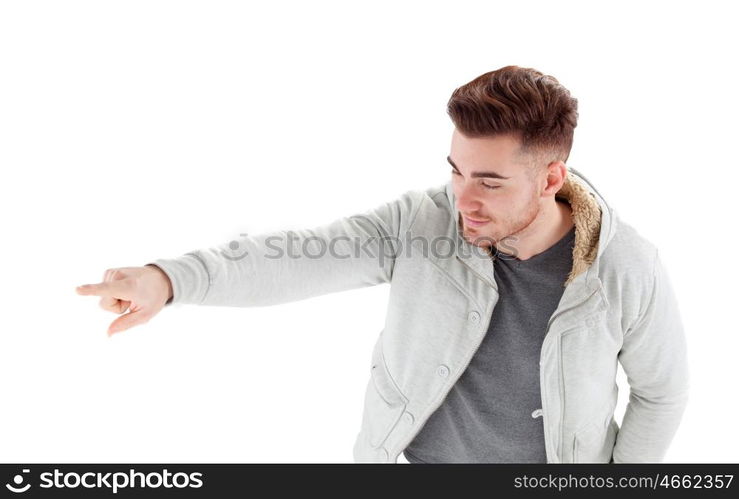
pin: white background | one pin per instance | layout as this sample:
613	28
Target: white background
144	129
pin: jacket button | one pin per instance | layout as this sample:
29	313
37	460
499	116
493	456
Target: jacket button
537	413
442	371
408	417
474	317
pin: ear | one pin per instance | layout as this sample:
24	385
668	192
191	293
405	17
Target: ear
556	175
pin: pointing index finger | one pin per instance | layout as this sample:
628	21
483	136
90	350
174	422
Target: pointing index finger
115	289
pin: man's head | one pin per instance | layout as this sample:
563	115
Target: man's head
514	129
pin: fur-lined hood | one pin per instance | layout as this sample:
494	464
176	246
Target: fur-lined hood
594	222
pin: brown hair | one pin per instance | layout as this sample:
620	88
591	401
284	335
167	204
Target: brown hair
517	101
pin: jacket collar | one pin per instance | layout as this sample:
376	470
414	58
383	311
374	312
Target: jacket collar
586	215
594	228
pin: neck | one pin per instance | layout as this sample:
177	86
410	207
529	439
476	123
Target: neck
551	226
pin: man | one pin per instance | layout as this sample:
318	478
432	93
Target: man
515	291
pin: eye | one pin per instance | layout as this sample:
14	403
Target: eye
455	172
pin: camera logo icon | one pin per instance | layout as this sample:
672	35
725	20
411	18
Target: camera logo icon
234	247
18	480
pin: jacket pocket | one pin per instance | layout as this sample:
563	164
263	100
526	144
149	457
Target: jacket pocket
384	403
594	443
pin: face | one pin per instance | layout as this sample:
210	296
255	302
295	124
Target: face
505	208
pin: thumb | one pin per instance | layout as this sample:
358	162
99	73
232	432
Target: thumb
127	321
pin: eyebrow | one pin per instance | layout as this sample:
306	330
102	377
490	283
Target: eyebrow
479	174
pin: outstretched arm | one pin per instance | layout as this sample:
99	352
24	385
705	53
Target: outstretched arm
284	266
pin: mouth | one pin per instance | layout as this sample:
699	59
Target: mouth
474	223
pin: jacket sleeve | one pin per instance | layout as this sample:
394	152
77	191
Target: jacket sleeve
654	358
283	266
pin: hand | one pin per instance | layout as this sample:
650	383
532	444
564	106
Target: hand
142	290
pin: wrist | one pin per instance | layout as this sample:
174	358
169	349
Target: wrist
167	282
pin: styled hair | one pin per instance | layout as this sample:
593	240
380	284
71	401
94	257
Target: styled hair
517	101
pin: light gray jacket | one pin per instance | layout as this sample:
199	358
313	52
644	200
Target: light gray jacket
618	305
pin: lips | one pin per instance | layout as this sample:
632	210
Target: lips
474	223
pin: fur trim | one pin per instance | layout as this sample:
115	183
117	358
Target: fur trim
586	215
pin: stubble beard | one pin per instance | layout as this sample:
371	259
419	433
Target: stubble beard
506	238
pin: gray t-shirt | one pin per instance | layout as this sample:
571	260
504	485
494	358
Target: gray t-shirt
493	412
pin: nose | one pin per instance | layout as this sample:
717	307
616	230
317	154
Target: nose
467	200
